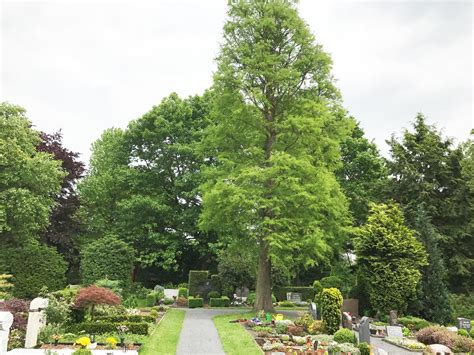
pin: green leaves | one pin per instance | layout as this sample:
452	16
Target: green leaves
28	179
389	257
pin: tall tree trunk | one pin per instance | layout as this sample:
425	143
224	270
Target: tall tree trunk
263	299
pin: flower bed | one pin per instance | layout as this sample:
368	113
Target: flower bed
405	343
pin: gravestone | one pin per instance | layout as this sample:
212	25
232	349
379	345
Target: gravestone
464	323
36	321
6	321
346	320
394	331
171	293
393	318
293	296
313	309
364	330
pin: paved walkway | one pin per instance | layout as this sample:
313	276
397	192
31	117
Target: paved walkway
199	335
389	348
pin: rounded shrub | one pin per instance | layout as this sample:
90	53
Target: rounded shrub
364	349
345	336
107	257
213	294
463	332
183	292
34	266
331	303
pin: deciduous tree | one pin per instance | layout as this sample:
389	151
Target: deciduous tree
275	139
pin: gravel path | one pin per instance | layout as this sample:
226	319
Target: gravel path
388	348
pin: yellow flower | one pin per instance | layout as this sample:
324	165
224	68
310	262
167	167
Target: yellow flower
111	341
83	341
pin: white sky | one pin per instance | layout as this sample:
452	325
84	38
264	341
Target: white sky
84	66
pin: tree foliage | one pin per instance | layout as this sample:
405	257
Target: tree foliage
89	297
274	140
389	257
435	304
28	179
107	258
428	170
64	228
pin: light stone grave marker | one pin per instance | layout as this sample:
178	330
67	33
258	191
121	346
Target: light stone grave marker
394	331
170	293
36	321
364	330
6	321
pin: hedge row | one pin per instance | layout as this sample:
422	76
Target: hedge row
220	302
133	318
194	302
307	293
109	327
196	279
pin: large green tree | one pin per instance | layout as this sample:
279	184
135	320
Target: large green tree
143	182
29	180
427	170
363	174
389	258
274	142
434	297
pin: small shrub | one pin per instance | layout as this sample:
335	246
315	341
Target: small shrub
345	336
413	323
223	301
317	327
168	301
471	333
331	302
195	302
154	313
46	333
281	326
158	289
304	320
151	299
364	349
441	335
92	296
58	311
463	332
183	292
463	344
295	330
286	304
82	352
425	335
213	294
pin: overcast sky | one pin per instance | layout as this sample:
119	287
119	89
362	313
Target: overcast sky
85	66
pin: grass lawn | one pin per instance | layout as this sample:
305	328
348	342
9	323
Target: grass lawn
234	338
164	338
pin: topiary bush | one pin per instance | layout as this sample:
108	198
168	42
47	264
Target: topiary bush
183	292
33	267
345	336
197	278
195	302
223	301
152	299
107	257
213	294
331	303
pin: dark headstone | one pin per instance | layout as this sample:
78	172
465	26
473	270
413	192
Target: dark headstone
393	320
464	323
364	330
313	309
394	331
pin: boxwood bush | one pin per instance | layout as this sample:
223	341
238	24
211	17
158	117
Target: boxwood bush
345	336
413	323
183	292
195	302
331	303
223	301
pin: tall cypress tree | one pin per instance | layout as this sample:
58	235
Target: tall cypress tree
434	298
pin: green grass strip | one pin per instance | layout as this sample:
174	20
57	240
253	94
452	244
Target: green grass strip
164	339
234	338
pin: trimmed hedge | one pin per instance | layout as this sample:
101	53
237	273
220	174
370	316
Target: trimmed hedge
220	302
109	327
133	318
183	292
196	279
307	293
194	302
107	257
345	336
152	299
331	303
216	283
